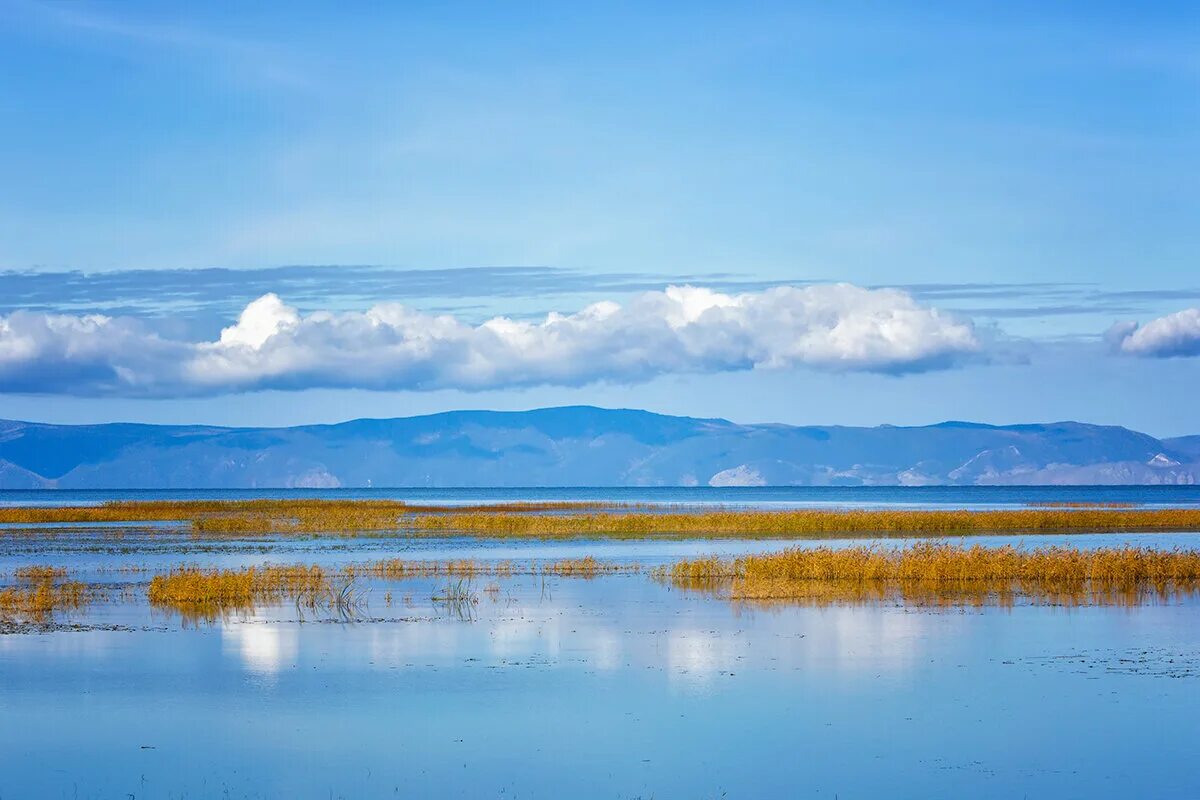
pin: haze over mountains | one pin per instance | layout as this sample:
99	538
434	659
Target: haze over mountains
583	446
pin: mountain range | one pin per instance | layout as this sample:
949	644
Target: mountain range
583	446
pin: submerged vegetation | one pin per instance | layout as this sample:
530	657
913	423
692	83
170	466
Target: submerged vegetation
945	574
400	569
222	519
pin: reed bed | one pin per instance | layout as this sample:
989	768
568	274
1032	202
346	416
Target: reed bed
299	515
41	592
200	594
587	567
807	523
220	519
199	585
41	600
206	594
944	574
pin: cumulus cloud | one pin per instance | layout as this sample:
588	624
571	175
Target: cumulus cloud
1175	334
392	346
92	354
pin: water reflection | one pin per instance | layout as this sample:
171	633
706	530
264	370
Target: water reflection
617	687
263	647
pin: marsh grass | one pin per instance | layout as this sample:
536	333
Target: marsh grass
935	573
807	523
586	567
42	591
205	594
39	573
200	594
458	599
942	573
40	601
550	520
399	569
289	515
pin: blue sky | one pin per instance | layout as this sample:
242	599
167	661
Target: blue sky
1026	169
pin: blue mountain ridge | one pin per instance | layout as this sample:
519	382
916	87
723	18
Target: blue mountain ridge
583	446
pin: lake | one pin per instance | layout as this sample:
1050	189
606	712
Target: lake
620	686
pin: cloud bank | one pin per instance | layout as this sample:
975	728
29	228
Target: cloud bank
1175	334
683	329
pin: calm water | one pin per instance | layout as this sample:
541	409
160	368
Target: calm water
618	687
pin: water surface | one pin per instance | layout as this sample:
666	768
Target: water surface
617	687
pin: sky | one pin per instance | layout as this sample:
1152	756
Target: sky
851	213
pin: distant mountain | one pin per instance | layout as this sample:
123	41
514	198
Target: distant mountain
583	446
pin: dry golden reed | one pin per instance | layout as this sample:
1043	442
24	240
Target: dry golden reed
217	519
41	600
940	573
806	523
205	593
235	587
43	593
290	515
38	572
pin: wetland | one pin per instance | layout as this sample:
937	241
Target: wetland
144	655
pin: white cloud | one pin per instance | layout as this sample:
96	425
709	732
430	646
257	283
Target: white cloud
1175	334
392	346
92	354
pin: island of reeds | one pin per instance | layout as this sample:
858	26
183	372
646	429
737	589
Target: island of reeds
939	573
216	519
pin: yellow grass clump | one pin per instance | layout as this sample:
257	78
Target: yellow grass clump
940	573
43	593
586	567
38	573
206	594
41	600
234	586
